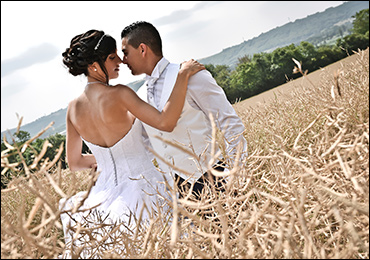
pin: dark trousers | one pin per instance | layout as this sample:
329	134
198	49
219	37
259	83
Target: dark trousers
201	182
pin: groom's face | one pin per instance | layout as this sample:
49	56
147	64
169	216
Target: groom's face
132	57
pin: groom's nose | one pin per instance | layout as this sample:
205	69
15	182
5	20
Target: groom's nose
124	60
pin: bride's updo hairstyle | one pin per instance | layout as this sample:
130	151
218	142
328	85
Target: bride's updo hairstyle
87	48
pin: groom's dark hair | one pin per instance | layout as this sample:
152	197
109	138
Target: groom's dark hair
143	32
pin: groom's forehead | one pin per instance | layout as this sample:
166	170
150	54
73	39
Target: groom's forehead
125	44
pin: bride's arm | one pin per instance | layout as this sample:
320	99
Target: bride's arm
75	159
167	119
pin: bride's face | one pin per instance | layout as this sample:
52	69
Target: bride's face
112	65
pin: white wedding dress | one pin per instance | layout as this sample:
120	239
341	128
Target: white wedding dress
127	179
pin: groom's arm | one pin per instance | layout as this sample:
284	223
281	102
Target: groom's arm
206	95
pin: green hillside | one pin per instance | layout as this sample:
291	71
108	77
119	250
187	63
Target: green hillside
319	28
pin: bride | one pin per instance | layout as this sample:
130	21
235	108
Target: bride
104	117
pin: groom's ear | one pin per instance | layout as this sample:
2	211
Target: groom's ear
143	48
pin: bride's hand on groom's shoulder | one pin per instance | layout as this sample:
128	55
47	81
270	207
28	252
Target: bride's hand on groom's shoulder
191	66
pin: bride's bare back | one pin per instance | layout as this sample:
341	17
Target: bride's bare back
100	116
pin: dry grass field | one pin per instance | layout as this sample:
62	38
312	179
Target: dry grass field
302	192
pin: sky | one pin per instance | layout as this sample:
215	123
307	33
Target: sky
34	82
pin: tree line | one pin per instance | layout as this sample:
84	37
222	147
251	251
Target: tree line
31	152
264	71
252	75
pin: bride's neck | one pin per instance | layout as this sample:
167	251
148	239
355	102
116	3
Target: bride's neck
96	78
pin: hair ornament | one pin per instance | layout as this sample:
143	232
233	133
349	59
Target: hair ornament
98	44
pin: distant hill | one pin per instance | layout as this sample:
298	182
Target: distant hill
319	28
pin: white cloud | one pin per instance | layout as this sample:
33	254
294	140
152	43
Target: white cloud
182	14
39	54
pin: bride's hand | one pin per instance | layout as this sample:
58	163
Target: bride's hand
94	167
191	67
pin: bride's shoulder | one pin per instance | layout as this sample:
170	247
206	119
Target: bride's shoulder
121	93
76	103
119	86
73	102
122	88
71	107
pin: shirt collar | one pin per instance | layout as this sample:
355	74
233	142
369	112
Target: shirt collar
158	69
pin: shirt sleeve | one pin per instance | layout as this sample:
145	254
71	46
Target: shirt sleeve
205	94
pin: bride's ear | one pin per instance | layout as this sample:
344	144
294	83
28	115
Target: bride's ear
93	67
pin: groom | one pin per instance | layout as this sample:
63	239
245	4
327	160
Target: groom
142	53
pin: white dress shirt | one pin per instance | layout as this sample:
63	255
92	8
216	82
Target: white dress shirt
204	94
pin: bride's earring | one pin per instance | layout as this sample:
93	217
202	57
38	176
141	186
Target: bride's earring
95	69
